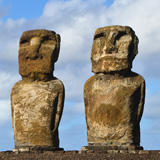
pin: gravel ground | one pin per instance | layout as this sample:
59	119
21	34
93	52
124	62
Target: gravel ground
79	155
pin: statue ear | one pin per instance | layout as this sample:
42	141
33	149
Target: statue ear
58	38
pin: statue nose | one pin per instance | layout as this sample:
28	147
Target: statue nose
32	56
33	53
110	48
34	49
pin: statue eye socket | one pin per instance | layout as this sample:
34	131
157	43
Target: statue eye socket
24	43
48	43
99	35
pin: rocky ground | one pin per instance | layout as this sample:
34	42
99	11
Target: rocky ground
82	155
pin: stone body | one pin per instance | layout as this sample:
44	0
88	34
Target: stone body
37	100
114	96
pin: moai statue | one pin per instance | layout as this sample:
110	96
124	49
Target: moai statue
37	100
114	96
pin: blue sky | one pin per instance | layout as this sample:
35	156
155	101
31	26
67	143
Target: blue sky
76	22
23	9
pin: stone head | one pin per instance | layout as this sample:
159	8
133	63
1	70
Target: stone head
38	51
114	48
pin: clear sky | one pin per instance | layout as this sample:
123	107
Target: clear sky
76	22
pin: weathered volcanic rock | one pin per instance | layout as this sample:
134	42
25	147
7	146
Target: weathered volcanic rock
37	100
38	51
113	49
114	96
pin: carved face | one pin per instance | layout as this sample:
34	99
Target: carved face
113	49
38	50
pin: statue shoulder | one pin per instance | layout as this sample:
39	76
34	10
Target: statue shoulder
17	87
58	83
89	83
138	78
18	84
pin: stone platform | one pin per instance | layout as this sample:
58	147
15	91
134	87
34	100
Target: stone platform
107	148
37	149
82	155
